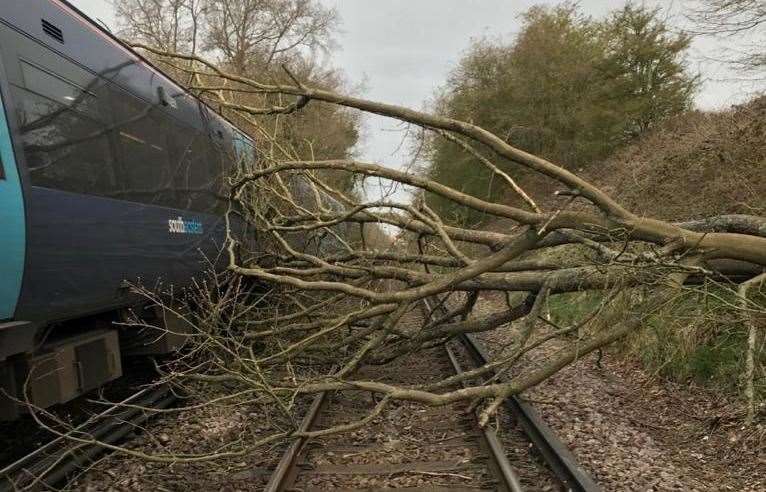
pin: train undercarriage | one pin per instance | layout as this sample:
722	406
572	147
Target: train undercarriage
76	357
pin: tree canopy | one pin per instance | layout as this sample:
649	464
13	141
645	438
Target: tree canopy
568	87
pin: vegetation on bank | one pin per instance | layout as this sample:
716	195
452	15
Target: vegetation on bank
698	164
697	338
701	163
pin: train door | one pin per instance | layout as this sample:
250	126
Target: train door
12	224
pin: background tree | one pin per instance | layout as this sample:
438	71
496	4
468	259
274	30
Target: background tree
254	38
568	88
644	65
168	24
242	33
251	34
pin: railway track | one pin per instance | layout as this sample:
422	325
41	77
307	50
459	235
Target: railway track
419	448
408	446
59	459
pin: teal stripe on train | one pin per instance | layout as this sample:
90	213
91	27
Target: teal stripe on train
12	227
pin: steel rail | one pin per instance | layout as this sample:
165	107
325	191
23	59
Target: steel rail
54	467
286	464
553	451
509	477
286	467
284	472
556	455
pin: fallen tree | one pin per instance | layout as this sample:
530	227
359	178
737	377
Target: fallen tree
335	300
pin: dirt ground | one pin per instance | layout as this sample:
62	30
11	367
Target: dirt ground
632	431
207	429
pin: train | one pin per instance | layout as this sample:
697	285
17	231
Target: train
111	174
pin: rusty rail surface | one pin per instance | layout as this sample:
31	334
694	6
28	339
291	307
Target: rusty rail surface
504	468
287	464
555	453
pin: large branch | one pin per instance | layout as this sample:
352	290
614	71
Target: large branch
718	245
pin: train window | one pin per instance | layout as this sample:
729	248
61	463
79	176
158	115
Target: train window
187	146
221	164
200	176
143	152
141	136
245	151
65	149
59	89
180	142
194	176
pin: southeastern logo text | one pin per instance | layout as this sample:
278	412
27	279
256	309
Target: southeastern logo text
181	226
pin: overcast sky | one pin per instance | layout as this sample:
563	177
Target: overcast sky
402	50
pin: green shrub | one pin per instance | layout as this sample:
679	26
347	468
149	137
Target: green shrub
567	309
699	337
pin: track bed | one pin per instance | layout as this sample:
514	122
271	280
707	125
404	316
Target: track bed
410	446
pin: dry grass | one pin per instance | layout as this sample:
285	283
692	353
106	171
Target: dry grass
698	164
